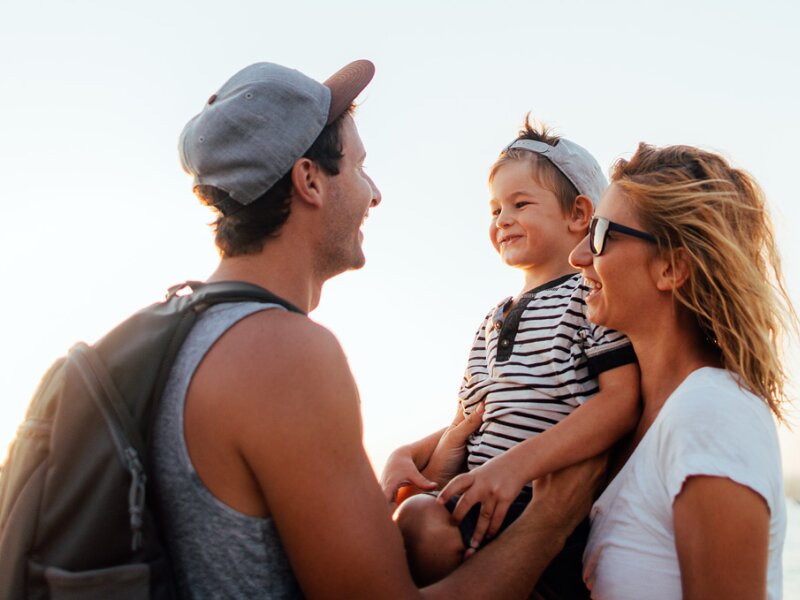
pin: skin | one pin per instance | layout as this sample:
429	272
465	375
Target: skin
273	424
528	227
531	232
721	527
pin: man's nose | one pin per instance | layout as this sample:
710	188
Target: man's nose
581	255
376	193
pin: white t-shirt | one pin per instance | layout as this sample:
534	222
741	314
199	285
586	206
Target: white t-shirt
708	426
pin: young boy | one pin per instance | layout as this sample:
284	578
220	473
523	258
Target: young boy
535	361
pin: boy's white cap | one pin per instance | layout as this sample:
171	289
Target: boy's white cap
573	161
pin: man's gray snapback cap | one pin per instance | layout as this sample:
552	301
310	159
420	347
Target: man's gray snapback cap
264	118
574	162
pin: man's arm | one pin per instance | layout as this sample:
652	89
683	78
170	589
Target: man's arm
722	538
403	468
560	502
442	462
279	387
591	429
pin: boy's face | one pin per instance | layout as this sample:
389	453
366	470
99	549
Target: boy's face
528	228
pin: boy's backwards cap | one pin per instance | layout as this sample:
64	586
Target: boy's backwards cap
264	118
573	161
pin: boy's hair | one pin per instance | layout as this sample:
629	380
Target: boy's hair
246	229
544	172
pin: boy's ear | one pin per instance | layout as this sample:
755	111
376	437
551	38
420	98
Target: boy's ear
672	271
308	181
580	214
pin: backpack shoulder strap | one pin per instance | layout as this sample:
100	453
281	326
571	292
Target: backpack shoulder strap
202	296
229	291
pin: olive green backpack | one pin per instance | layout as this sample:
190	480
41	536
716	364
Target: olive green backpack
76	516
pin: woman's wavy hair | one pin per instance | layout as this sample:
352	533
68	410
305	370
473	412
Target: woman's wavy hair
694	200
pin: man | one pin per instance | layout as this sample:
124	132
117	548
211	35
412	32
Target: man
263	482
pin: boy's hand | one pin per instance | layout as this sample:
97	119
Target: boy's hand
494	485
400	471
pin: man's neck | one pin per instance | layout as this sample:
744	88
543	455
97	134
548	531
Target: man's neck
283	277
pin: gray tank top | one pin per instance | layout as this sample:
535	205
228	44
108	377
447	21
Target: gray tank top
217	551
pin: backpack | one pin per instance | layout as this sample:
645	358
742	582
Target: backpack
76	516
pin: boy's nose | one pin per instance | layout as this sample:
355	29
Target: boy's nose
581	255
503	220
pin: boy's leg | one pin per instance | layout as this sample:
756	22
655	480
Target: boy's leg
434	547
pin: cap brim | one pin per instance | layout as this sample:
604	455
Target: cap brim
346	84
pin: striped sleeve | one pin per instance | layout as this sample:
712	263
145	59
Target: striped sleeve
607	349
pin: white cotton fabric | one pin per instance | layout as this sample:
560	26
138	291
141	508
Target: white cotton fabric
708	426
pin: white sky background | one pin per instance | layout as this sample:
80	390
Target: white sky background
100	218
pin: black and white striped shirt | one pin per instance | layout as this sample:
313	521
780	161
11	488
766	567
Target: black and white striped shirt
533	363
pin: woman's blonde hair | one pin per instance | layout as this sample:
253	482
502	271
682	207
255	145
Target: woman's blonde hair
695	201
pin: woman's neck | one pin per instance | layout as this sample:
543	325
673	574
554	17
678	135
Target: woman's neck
667	356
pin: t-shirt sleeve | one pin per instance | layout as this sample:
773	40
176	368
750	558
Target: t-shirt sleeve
711	433
606	349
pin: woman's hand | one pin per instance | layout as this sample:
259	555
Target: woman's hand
494	485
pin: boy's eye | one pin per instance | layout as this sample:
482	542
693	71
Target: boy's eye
495	212
521	204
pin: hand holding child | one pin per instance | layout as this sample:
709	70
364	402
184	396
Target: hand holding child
430	463
401	471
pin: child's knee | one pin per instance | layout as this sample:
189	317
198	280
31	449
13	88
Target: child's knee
420	516
431	537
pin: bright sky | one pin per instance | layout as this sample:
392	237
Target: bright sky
101	219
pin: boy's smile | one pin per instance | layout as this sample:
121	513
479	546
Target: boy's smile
528	228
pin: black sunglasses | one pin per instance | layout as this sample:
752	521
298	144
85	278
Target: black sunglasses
598	232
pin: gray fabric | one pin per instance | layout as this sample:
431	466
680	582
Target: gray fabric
265	117
217	551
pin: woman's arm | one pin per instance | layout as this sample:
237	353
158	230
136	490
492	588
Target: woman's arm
722	538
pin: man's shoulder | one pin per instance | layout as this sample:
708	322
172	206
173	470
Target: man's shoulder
277	332
275	348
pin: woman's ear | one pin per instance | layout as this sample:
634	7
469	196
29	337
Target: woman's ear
580	214
673	270
308	181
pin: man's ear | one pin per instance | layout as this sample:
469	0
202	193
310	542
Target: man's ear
580	214
673	270
308	181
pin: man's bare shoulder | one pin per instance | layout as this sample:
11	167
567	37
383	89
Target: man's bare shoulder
275	354
275	337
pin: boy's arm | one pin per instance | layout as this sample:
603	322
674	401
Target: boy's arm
588	431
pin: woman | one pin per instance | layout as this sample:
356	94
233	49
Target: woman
681	258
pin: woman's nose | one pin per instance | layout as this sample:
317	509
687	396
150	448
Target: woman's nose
581	255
